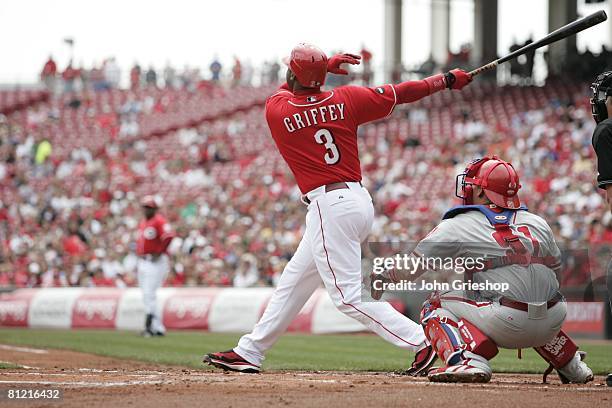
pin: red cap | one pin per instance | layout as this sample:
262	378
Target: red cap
309	64
149	201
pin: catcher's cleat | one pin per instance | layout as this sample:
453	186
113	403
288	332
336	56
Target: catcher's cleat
574	372
423	360
230	361
468	370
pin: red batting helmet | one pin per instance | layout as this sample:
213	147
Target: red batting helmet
309	64
149	201
497	178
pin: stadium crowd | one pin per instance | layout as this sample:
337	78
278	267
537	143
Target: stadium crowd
69	206
107	75
586	65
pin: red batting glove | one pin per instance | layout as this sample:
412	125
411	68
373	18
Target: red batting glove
333	65
457	79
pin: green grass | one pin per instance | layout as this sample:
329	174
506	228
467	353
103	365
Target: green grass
292	352
5	366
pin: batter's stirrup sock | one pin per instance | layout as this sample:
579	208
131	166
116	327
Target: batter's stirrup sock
148	322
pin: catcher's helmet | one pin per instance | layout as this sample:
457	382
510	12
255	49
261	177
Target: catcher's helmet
497	178
149	201
602	88
309	64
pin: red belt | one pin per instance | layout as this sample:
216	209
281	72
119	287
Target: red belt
515	304
330	187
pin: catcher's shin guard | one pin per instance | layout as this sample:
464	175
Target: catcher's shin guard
447	337
443	334
452	342
562	354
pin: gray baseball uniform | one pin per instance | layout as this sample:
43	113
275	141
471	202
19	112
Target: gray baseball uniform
469	232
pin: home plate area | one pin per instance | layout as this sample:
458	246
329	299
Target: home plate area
92	381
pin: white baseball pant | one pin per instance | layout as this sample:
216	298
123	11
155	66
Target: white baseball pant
337	223
151	276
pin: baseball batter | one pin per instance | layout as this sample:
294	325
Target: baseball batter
154	236
515	248
316	133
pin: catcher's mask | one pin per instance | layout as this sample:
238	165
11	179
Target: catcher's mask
496	177
602	88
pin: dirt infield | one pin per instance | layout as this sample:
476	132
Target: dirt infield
94	381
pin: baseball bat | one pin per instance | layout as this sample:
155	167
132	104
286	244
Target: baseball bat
569	29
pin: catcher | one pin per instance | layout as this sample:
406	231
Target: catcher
516	248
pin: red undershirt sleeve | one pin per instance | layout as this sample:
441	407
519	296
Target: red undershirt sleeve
412	91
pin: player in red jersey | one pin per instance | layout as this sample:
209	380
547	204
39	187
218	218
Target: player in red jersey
316	133
154	236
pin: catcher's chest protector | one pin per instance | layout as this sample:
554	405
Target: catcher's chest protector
494	217
500	220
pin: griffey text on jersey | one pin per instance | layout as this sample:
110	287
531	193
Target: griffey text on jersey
314	116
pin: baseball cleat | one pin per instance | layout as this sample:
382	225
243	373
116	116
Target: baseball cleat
230	361
467	371
146	333
423	360
149	333
576	371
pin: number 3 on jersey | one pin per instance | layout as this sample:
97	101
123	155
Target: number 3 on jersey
324	137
